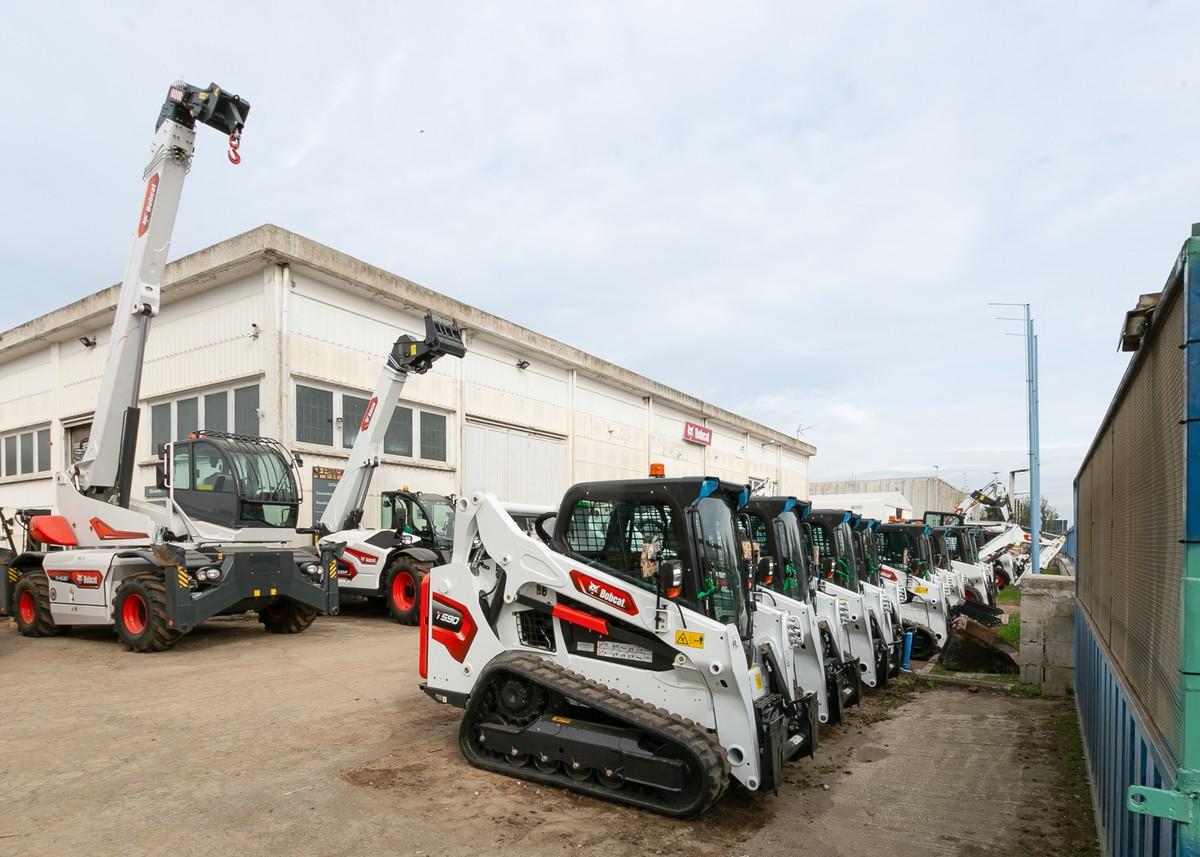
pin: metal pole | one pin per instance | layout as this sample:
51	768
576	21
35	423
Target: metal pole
1035	466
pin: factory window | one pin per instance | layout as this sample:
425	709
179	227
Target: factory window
314	415
410	433
187	417
25	452
398	439
353	410
433	436
245	410
214	410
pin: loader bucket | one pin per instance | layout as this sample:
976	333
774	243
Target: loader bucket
984	614
974	647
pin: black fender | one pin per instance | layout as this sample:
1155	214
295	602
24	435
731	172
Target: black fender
12	566
419	554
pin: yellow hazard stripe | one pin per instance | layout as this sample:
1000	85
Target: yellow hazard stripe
183	579
12	574
333	568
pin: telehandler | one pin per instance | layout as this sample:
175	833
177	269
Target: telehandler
389	562
221	542
621	659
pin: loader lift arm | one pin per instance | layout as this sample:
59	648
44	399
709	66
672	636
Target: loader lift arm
106	470
345	508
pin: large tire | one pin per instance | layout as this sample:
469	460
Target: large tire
401	585
31	606
287	617
923	646
140	613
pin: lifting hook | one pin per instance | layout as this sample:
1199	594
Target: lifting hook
235	140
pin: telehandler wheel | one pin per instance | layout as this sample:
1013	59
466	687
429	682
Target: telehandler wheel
140	613
31	606
286	617
401	583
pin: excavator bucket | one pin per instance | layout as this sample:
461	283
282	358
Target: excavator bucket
974	647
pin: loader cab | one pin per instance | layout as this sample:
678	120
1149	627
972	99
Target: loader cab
906	546
834	541
675	536
429	517
776	530
940	546
231	480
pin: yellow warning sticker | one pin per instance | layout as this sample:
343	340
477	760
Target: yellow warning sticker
691	639
558	719
920	590
758	679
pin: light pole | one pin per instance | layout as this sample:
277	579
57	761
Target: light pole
1031	385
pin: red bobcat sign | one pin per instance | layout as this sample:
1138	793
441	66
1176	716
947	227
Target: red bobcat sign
697	434
603	592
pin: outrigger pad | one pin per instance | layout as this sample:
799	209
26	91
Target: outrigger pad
972	647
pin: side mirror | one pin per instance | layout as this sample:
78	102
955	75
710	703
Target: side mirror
160	476
765	573
670	578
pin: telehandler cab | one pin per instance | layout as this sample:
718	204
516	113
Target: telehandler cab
619	660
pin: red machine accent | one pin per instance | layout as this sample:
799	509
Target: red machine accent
107	533
364	558
618	599
423	662
578	617
368	413
27	607
888	573
52	530
458	641
133	613
148	205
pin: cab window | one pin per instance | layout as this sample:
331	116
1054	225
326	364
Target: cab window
625	537
181	468
210	470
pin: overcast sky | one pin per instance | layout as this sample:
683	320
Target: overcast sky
796	211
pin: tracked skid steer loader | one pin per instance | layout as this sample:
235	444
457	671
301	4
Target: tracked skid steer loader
617	658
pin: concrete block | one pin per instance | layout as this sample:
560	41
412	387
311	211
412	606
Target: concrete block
1035	607
1031	674
1063	606
1033	632
1059	654
1058	681
1060	630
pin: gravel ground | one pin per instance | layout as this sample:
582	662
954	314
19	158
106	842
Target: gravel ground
242	742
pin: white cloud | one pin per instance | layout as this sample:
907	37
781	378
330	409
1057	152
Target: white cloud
796	210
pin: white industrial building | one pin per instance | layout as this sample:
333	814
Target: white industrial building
880	505
921	493
270	333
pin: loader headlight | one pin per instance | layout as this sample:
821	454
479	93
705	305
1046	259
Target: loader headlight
210	573
311	569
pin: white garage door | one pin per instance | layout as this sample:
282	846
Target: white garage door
517	466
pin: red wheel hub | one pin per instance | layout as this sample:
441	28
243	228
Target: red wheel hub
27	607
404	591
133	613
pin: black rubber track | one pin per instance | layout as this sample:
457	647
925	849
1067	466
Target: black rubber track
883	660
43	622
159	637
697	745
287	617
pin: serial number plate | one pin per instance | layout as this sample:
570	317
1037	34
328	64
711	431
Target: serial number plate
623	651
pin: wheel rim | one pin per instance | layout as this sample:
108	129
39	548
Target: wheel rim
133	613
27	607
404	591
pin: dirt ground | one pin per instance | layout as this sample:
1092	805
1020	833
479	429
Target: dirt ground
241	742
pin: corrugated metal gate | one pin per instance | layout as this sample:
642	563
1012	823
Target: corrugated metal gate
1132	544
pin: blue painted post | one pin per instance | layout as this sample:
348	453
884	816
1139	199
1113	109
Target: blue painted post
908	635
